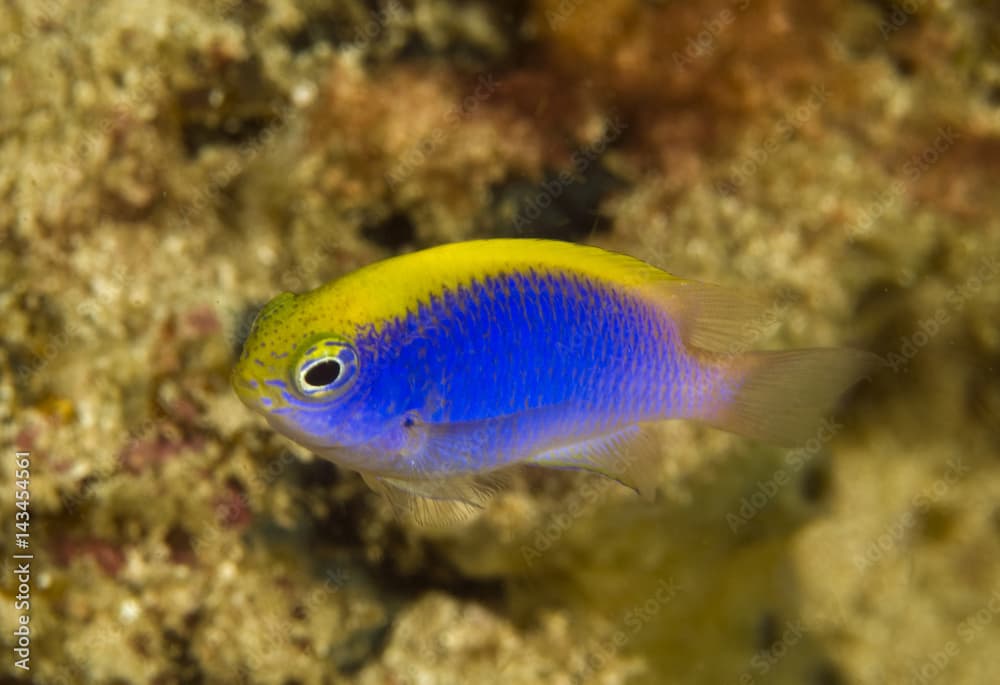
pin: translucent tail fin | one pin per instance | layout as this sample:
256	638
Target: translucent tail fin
780	397
776	397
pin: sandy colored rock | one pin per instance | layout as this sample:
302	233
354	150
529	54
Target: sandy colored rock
168	167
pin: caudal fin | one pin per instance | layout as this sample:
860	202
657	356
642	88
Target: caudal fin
776	397
780	397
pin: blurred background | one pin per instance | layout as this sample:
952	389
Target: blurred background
167	167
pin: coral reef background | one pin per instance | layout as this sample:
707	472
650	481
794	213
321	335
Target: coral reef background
167	167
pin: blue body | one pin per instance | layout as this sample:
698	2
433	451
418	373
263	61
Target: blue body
522	362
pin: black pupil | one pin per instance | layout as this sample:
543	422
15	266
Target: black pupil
323	373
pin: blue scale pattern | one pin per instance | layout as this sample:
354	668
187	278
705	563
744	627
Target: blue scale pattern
516	342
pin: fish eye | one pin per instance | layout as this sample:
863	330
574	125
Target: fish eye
322	373
326	368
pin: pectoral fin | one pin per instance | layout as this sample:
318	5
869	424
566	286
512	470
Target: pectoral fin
435	502
630	456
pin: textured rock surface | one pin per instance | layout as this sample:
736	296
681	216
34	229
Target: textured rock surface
165	168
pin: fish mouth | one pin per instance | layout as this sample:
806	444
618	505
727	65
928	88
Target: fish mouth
250	390
261	397
267	396
245	391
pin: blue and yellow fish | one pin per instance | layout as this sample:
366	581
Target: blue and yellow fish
428	371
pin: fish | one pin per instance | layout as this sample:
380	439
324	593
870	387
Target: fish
432	373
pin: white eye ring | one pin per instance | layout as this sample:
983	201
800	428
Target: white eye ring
327	369
320	374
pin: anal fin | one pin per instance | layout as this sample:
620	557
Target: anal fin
630	456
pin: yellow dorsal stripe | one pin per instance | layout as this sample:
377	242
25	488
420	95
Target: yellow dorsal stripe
388	289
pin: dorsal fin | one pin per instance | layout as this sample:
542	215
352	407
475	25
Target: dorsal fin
716	318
